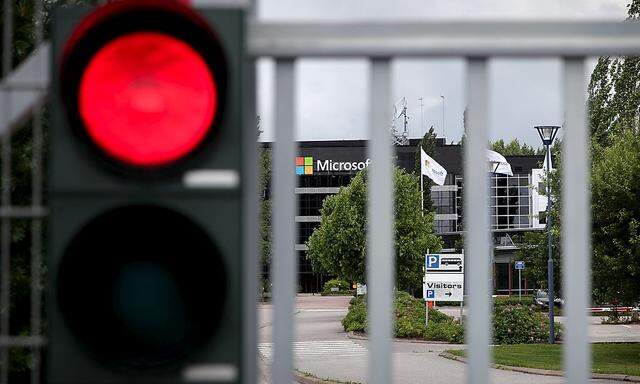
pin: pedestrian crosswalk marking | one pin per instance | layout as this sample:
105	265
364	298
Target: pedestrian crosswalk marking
305	350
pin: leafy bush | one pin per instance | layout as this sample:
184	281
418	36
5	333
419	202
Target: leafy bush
518	324
449	331
409	316
409	320
512	324
356	319
343	286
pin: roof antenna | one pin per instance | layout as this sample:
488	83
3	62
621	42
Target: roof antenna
400	109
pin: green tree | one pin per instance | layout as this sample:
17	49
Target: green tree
616	220
338	246
514	148
428	144
614	111
614	92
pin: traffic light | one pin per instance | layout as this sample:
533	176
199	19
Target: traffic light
144	267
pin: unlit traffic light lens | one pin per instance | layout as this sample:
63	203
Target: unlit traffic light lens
142	286
147	99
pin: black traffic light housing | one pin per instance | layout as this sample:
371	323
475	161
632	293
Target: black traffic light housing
145	269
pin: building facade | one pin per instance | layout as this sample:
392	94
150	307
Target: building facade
322	167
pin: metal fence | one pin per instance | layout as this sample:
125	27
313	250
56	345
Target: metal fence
379	43
17	90
477	43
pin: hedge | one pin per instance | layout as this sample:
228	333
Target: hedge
512	324
409	320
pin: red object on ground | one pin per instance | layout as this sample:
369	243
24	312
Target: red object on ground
147	99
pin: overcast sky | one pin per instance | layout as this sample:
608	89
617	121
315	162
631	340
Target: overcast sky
332	95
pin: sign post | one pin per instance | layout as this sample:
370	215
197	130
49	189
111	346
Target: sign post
462	301
443	278
424	270
519	266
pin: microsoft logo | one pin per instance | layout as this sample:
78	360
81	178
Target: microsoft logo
304	165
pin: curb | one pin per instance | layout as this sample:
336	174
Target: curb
302	378
547	372
360	336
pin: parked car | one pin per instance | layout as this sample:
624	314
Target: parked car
541	298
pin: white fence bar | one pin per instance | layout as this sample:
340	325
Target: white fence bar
25	88
576	225
284	261
251	218
466	39
477	240
380	253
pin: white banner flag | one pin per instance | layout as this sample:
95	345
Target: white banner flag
431	168
502	167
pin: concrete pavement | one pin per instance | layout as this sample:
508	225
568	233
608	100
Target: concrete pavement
323	349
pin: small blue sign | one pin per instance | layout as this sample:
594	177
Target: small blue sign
519	265
431	294
433	261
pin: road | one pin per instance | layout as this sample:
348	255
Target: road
323	349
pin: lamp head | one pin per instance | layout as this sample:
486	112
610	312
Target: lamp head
547	133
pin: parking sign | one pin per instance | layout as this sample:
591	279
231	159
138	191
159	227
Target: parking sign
444	277
433	261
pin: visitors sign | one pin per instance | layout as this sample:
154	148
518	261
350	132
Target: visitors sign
444	277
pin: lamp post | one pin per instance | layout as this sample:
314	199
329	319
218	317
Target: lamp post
547	134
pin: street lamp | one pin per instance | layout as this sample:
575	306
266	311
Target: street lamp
547	134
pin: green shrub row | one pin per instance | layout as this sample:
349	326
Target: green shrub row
512	324
519	324
356	318
409	320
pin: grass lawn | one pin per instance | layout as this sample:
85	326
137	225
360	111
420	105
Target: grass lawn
607	358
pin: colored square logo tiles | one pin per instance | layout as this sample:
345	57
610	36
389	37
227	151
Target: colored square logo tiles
304	165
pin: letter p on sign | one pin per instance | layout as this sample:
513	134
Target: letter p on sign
433	261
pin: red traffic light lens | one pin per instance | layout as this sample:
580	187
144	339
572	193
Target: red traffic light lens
147	99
